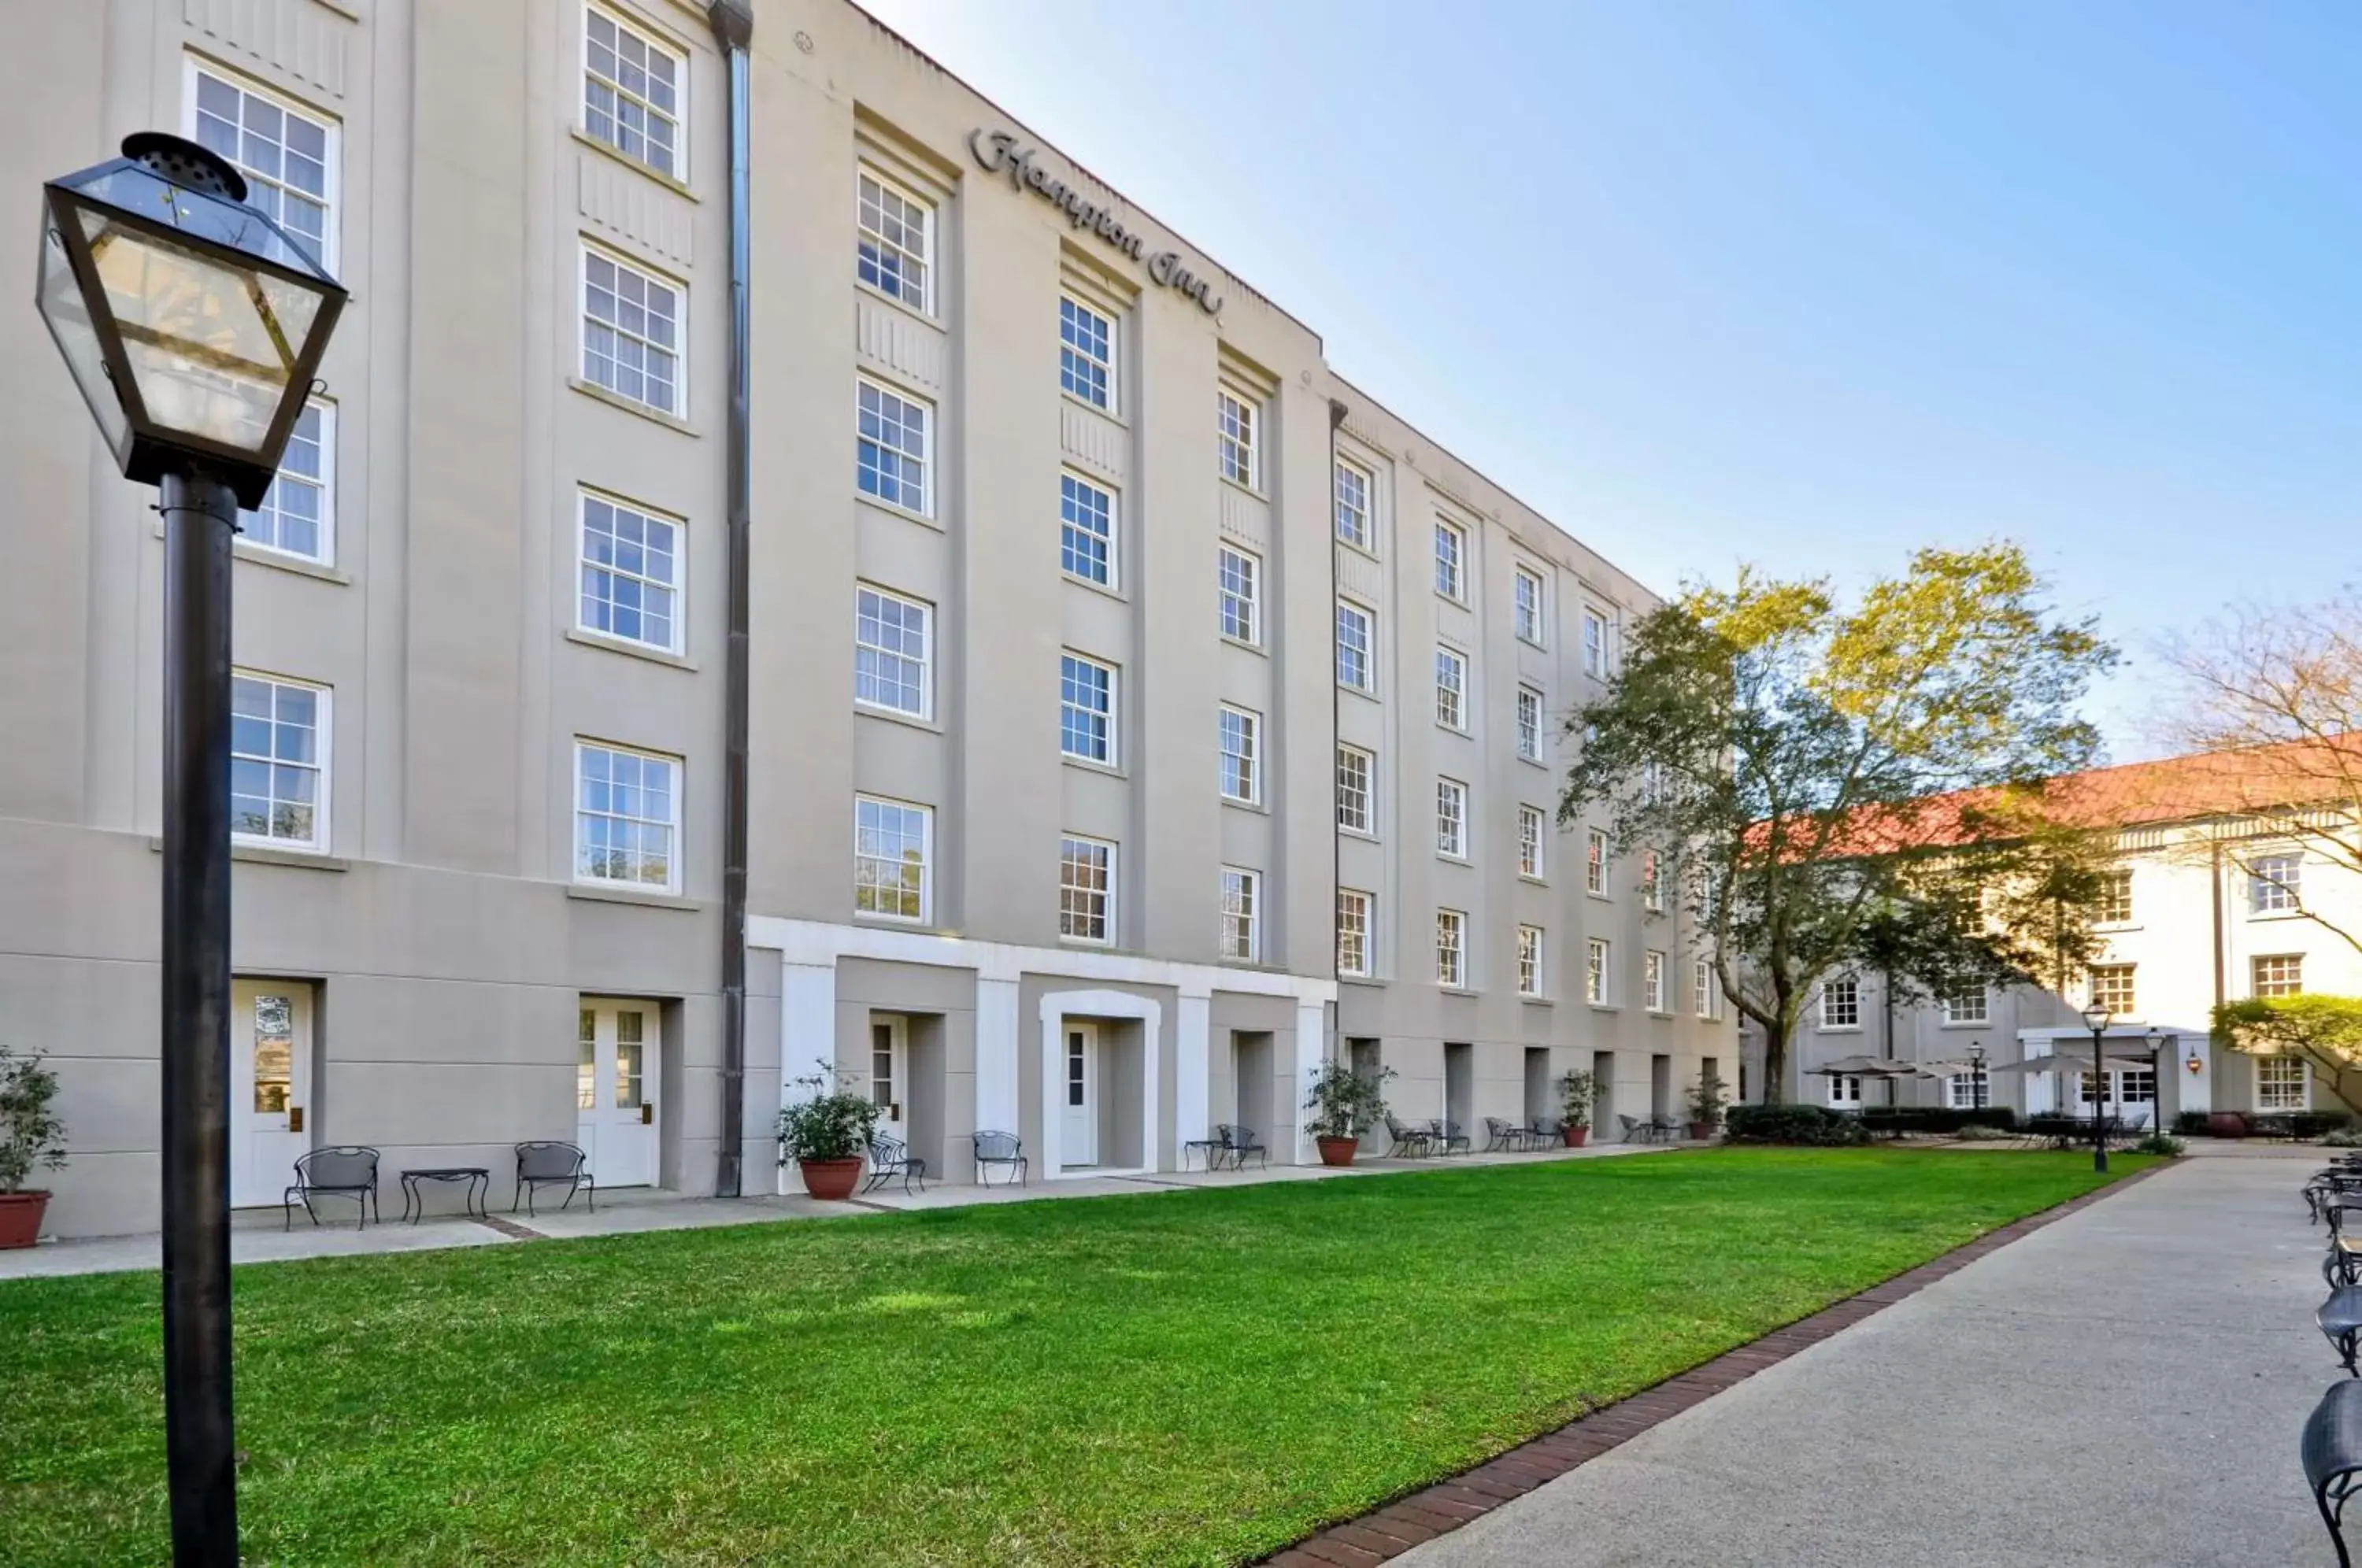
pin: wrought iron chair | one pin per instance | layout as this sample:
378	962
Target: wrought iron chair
1546	1133
2331	1451
1448	1137
543	1165
1239	1143
1410	1141
890	1157
998	1149
348	1170
1499	1136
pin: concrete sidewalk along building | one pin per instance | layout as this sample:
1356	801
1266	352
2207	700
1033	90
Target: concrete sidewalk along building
1138	712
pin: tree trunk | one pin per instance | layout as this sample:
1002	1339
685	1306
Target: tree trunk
1775	1064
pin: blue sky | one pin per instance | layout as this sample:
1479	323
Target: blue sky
1800	283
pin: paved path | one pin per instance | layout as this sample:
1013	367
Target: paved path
2123	1387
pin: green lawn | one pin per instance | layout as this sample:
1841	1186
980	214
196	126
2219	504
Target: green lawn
1193	1377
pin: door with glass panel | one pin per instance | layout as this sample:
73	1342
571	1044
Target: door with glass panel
1080	1141
619	1045
889	1069
269	1085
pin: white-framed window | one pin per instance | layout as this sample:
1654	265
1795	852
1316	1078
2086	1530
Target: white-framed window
1594	644
892	449
278	761
630	573
1086	888
892	851
2276	975
2115	903
1450	560
632	337
1086	352
1530	724
1529	841
1241	746
1527	613
894	240
1845	1091
1242	914
1353	932
1357	772
1236	436
298	514
626	816
893	652
1529	960
1968	1005
1652	981
2280	1084
1451	818
1841	1003
1450	948
2275	884
1450	690
1238	578
288	153
1087	708
1355	485
634	90
1595	862
2135	1085
2112	987
1356	646
1085	530
1652	883
1969	1091
1706	991
1594	972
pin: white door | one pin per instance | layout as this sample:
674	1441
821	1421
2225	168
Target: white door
889	1067
1080	1144
615	1093
269	1084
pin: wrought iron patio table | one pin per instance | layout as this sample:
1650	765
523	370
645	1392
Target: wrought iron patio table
471	1202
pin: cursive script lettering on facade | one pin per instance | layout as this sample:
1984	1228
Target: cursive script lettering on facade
997	152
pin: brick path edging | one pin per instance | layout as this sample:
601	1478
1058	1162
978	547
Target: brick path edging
1446	1505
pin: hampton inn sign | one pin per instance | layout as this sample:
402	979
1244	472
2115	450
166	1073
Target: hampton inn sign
997	153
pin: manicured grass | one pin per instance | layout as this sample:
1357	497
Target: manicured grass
1170	1379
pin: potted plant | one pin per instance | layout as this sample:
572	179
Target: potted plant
1344	1105
1576	1091
30	1136
1706	1104
827	1134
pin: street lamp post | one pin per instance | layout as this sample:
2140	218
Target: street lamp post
1977	1074
2095	1019
2156	1039
194	327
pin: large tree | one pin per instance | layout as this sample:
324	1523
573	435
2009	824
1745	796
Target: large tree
1842	786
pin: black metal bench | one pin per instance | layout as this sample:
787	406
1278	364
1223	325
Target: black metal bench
348	1170
1447	1136
890	1157
551	1163
1003	1149
2332	1448
1410	1141
1238	1143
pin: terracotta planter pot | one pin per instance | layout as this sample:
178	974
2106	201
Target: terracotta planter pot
1576	1137
1337	1151
832	1178
2226	1124
20	1218
1702	1132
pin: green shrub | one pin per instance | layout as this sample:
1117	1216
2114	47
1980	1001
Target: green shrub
2191	1122
2318	1123
1935	1118
2160	1143
1978	1132
1810	1124
2343	1138
831	1122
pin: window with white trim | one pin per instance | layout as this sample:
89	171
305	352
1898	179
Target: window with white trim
894	239
626	817
1450	690
297	516
631	571
1969	1091
2280	1084
1595	862
1353	932
1085	530
1845	1091
891	449
287	152
2112	987
1451	818
1356	787
1968	1005
1087	708
1237	576
1241	767
893	658
892	850
2275	884
1527	613
1594	972
277	762
1841	1003
1530	724
1242	916
1594	644
1529	841
1450	948
1706	991
1235	453
632	336
2115	902
1529	960
1356	646
1355	485
1450	560
2276	975
1086	352
1086	888
633	87
1652	883
1652	980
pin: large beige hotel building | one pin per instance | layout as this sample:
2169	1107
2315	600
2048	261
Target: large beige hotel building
1138	713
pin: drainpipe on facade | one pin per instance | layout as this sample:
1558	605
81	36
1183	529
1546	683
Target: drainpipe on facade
733	28
1336	713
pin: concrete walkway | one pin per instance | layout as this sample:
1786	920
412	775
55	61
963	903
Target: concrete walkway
2124	1387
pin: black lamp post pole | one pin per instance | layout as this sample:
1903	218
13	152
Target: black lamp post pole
200	520
2099	1120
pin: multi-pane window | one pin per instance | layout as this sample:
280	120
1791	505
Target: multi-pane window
1085	709
1652	884
1234	426
1242	768
1085	530
1845	1091
1968	1091
1530	724
2112	987
2135	1085
892	663
2275	884
1595	862
1242	916
1529	960
1706	991
894	240
1526	611
630	573
1451	817
277	762
1086	888
1842	1004
1353	932
1594	972
2277	974
890	856
1357	785
1355	666
1353	487
288	155
1594	644
881	1065
1450	560
631	333
626	816
1237	576
297	514
1086	352
1652	980
2279	1083
1967	1005
2115	903
890	446
631	93
1529	841
1450	690
1450	948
